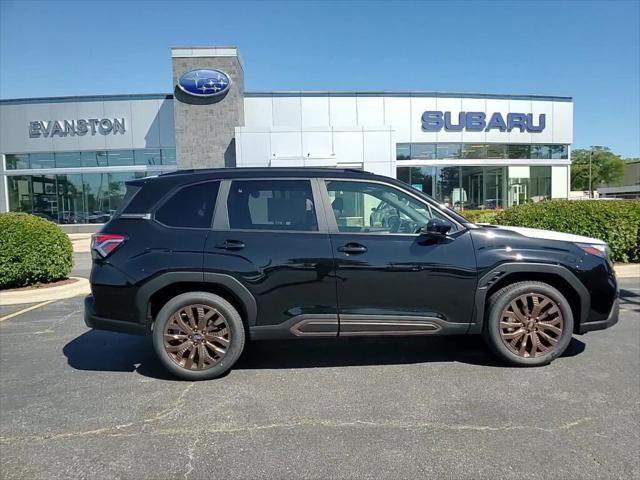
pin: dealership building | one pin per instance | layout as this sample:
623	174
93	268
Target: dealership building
67	159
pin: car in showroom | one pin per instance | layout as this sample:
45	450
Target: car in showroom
206	260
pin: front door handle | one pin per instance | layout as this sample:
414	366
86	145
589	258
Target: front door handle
231	245
352	248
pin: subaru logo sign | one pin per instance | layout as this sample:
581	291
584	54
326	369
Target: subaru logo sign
434	121
204	83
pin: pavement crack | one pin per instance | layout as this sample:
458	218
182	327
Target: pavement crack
190	454
177	405
124	430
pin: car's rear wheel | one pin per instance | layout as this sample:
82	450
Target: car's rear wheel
528	323
198	335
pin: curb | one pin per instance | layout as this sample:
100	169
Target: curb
627	270
36	295
81	242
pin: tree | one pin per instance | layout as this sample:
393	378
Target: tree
606	168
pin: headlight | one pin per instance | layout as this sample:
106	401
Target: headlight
597	249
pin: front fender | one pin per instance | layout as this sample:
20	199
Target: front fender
503	270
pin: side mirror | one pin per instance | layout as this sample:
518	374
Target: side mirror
436	228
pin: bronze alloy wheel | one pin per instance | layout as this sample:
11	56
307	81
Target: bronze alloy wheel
197	337
531	325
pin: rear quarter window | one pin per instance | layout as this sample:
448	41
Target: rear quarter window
190	207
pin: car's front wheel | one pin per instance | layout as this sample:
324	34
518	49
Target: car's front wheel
198	335
528	323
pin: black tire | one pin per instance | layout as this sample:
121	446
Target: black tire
496	311
225	310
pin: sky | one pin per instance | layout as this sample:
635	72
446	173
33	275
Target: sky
588	50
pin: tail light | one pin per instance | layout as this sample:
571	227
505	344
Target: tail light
106	243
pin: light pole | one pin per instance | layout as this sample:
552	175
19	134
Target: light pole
596	148
590	190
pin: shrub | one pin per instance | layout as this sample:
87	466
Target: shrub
480	216
32	250
615	222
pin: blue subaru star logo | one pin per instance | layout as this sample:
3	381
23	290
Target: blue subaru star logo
204	83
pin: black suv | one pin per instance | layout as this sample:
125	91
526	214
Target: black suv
205	260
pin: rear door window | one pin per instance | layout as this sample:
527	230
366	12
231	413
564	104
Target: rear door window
272	205
190	207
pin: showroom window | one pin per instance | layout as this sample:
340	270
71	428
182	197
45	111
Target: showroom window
496	150
100	158
41	160
519	151
444	151
474	150
423	151
559	151
448	150
17	161
168	156
540	151
19	190
403	151
150	156
71	198
68	160
480	187
272	205
120	158
190	207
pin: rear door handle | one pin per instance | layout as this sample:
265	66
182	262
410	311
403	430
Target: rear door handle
353	248
231	245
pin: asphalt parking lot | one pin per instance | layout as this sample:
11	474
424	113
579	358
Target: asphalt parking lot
77	403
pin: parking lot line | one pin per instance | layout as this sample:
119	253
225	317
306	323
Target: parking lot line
25	310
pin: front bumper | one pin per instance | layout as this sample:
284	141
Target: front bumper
100	323
610	321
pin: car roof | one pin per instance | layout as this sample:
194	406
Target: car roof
273	172
194	175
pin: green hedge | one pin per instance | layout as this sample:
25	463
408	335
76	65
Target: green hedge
616	222
480	216
32	250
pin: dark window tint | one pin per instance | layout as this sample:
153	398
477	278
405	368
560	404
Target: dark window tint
423	151
272	205
190	206
41	160
403	151
16	162
519	151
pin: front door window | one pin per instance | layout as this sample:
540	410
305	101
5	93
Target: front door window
363	207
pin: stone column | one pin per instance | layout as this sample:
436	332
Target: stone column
204	126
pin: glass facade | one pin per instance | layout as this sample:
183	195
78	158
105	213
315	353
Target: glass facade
71	198
84	197
442	151
109	158
480	187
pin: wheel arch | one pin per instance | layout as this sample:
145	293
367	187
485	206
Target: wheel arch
557	276
157	292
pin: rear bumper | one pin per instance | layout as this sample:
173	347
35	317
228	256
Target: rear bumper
610	321
100	323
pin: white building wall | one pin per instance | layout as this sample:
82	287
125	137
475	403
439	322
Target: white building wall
372	147
148	124
342	128
560	177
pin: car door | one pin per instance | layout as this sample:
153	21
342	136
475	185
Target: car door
391	280
269	235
